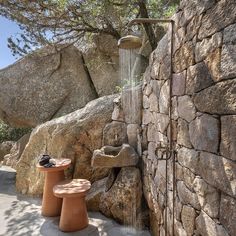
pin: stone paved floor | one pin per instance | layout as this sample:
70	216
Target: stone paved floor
20	216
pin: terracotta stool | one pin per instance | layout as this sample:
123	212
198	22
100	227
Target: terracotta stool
51	205
74	215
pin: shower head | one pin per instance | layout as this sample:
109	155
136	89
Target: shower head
129	42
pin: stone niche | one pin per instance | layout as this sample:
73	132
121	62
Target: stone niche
203	112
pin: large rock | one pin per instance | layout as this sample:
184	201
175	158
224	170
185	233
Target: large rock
217	18
5	148
102	61
208	227
228	138
204	133
109	156
44	85
73	136
13	157
228	213
220	172
123	201
93	197
218	99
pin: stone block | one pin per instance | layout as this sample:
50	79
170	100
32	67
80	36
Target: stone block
204	133
193	26
164	98
147	117
161	121
208	196
115	134
207	45
183	57
178	84
175	114
188	158
183	134
198	78
186	196
186	108
217	18
228	137
228	213
218	99
228	62
156	86
230	34
188	215
146	103
208	227
153	101
218	172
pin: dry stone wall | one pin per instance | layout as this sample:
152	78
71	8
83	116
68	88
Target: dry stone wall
203	125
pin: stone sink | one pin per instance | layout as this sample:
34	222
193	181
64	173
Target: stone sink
109	156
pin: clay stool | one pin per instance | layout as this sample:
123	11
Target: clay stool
51	205
74	215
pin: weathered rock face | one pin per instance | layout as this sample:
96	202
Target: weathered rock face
93	197
5	148
13	157
73	136
123	201
102	61
44	85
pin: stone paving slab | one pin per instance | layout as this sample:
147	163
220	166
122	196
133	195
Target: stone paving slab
20	216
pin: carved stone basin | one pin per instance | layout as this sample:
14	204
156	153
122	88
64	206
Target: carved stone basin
110	157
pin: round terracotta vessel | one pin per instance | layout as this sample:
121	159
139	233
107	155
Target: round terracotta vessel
51	205
74	215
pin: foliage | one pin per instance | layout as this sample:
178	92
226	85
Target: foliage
73	21
8	133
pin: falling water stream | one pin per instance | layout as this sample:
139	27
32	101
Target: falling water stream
130	75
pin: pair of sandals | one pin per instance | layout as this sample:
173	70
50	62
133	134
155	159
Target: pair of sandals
46	161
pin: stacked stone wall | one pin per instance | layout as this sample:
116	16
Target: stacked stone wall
203	125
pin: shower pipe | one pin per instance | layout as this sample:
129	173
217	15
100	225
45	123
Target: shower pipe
171	152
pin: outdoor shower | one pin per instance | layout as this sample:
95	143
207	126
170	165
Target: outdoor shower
130	42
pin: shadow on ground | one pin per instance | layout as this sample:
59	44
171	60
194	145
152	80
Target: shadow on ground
21	216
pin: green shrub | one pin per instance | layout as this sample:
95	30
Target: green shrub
8	133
